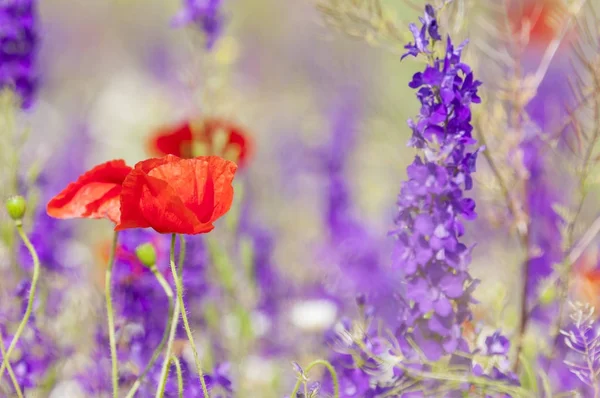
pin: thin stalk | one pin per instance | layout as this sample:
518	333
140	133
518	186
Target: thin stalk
175	360
169	293
32	289
332	372
11	373
160	392
111	318
178	286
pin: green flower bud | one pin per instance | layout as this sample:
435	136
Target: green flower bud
146	254
548	294
15	207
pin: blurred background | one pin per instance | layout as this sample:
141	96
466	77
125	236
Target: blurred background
326	115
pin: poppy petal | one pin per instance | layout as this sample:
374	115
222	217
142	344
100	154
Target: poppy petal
107	206
92	187
164	210
189	178
222	173
131	214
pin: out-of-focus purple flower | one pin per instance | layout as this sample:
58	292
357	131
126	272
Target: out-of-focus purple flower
582	338
205	15
37	353
18	48
351	246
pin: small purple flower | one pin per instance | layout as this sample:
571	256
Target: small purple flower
18	48
205	15
497	344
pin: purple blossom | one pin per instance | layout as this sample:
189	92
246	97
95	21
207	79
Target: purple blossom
437	293
205	15
18	48
431	205
497	344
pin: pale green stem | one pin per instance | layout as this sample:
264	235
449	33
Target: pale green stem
160	392
29	309
159	348
111	318
181	256
13	378
334	378
179	375
179	287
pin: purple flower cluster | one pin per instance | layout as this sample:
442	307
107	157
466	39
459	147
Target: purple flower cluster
431	203
18	47
205	15
436	298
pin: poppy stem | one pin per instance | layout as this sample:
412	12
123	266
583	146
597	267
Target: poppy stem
177	364
174	320
159	348
11	373
332	372
111	318
178	277
32	289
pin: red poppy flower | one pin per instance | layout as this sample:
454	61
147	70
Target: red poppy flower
95	194
543	18
174	195
213	137
586	287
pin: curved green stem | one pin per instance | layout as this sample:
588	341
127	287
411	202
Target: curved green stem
9	368
334	378
111	318
29	309
160	392
175	360
159	348
178	285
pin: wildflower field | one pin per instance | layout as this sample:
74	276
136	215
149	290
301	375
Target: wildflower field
299	198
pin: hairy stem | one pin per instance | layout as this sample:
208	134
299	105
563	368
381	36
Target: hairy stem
111	318
175	360
160	392
9	368
179	287
169	293
32	289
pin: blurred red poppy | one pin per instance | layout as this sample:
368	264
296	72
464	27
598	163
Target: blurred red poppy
95	194
586	281
212	137
174	195
543	19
